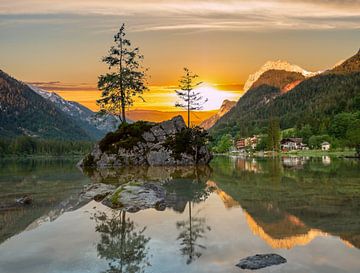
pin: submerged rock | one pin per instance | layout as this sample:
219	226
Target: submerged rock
25	200
133	197
259	261
144	143
97	192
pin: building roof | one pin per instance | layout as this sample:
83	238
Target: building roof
292	139
325	143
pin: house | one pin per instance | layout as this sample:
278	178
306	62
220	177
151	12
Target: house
293	143
244	143
241	144
325	146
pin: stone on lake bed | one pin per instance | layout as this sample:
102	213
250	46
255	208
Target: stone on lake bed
133	197
25	200
259	261
96	191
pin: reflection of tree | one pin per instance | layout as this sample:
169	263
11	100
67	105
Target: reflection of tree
192	230
121	244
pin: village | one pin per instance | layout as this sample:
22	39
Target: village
250	145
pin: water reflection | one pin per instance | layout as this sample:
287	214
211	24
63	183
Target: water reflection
213	217
292	201
191	232
122	243
50	183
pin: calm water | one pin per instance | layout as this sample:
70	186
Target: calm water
307	210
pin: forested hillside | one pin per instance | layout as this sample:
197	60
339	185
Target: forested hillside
23	112
314	103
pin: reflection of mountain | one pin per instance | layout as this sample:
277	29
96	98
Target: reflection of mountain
50	183
285	240
289	207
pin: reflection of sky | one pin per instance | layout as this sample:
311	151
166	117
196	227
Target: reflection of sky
69	245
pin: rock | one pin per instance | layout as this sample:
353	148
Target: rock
148	137
96	192
150	148
259	261
25	200
133	197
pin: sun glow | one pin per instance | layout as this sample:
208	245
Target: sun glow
215	96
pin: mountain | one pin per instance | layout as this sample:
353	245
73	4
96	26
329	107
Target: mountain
158	116
312	101
265	89
275	65
225	107
351	65
95	126
24	112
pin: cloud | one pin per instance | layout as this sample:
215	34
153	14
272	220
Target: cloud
59	86
160	15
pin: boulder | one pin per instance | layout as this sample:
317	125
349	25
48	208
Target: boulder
259	261
133	197
96	191
149	147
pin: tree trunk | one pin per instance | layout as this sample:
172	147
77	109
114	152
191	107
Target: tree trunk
123	115
188	108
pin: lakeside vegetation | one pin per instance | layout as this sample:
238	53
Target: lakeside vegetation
29	146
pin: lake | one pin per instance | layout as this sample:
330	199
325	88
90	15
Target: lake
304	209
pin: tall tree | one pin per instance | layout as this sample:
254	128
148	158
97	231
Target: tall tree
126	79
274	134
190	98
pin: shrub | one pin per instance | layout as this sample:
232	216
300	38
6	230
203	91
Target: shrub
127	136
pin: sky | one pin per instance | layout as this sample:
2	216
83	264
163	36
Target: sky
58	44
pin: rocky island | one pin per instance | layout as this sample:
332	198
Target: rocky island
155	144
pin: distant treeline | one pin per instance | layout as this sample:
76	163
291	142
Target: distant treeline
24	145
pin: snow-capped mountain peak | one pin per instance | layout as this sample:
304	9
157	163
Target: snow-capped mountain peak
276	65
89	120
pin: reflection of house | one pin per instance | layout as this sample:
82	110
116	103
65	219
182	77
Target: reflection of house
247	165
294	143
294	162
326	160
325	146
244	143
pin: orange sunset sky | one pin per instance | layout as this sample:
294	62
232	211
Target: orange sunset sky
58	45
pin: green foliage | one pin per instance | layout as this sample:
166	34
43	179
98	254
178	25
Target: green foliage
188	140
127	136
127	80
274	135
313	104
353	136
23	112
341	123
28	146
262	144
315	141
224	144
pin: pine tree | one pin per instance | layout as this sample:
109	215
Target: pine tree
190	99
274	135
126	79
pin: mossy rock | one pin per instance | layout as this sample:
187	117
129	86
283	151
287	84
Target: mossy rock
127	136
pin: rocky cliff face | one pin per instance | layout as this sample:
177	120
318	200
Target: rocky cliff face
225	107
144	143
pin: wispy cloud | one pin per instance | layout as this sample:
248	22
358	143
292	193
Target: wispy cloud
159	15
